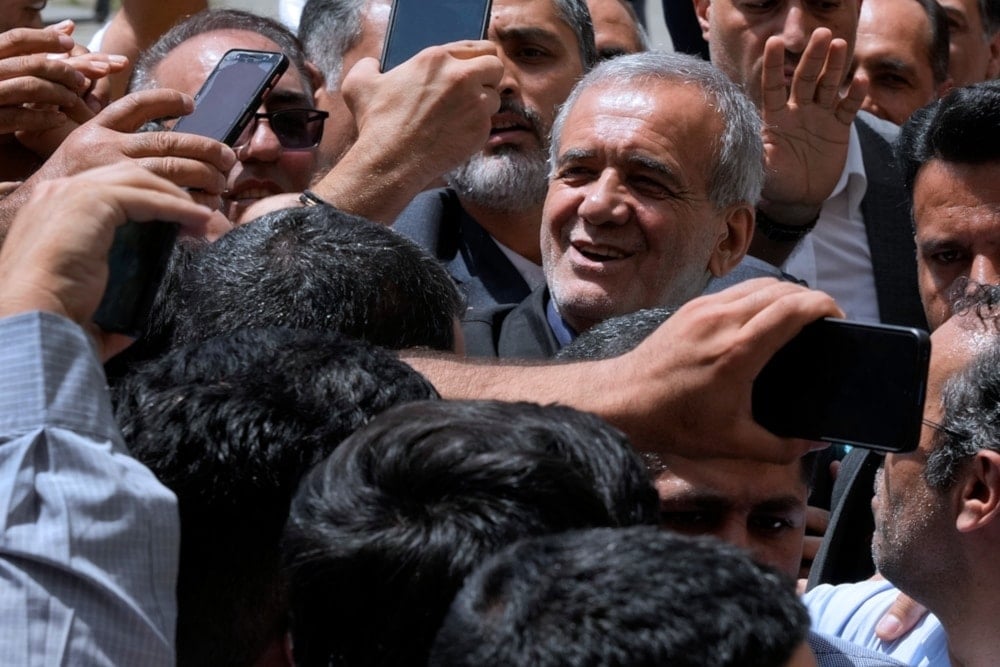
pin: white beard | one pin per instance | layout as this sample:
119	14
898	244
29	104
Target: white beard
509	180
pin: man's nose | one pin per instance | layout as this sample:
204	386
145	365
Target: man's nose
605	201
797	27
262	146
985	269
735	533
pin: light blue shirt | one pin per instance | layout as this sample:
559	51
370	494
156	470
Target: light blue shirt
89	538
851	612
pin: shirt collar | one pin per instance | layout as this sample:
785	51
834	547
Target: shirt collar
853	178
560	328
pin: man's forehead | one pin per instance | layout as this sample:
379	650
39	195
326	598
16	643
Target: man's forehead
738	481
663	102
518	16
186	67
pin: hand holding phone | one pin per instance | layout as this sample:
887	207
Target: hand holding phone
224	106
847	382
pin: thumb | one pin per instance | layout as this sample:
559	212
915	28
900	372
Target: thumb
901	617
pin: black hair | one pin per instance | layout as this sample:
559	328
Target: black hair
230	426
615	336
319	268
960	127
382	533
633	597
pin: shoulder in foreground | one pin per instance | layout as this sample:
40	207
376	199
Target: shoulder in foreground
834	652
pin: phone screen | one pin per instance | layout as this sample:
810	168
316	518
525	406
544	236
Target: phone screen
416	24
847	382
232	93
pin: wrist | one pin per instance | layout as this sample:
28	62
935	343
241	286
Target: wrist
780	231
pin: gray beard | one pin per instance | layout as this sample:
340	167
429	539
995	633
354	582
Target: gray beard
509	180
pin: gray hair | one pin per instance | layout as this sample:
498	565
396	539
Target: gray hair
738	173
211	20
971	420
971	398
328	30
577	17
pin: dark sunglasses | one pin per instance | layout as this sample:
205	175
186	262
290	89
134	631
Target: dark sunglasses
296	129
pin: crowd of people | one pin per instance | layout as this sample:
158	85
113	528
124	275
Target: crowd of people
453	364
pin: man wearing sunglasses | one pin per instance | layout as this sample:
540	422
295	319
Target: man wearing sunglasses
277	152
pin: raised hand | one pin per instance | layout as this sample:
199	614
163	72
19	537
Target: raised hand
807	125
187	160
47	84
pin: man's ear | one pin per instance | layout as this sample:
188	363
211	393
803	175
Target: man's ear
701	10
979	502
733	240
993	65
316	78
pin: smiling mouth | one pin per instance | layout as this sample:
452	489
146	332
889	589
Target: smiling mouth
600	253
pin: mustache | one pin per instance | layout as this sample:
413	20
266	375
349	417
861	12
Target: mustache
530	116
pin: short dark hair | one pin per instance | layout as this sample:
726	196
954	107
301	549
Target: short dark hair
939	43
615	336
626	597
382	533
989	14
230	426
318	267
960	127
209	20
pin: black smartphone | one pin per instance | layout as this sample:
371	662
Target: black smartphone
224	106
847	382
232	93
416	24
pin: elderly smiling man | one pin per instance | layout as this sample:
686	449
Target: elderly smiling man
638	213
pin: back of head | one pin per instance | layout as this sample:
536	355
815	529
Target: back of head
210	20
317	267
961	127
615	336
382	533
622	597
230	426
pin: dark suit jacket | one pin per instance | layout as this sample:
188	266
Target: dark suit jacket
511	332
845	554
437	222
886	209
